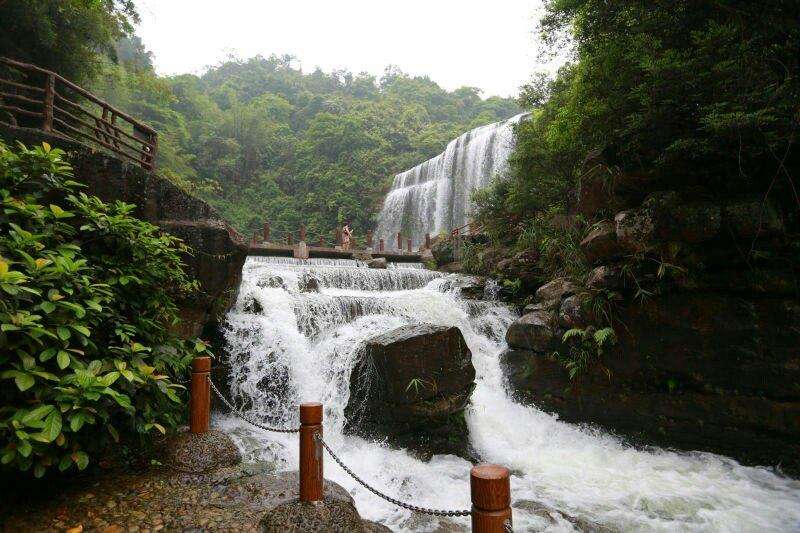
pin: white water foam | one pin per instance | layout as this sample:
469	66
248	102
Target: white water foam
279	361
435	196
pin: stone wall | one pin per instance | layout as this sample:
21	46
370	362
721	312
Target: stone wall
708	334
218	250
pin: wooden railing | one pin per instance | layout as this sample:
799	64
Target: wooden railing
34	97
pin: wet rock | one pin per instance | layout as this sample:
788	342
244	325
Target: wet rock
272	282
575	312
605	277
556	289
601	242
452	268
308	283
547	305
525	370
205	452
634	229
251	305
471	287
533	331
412	384
336	512
443	251
362	256
745	219
379	262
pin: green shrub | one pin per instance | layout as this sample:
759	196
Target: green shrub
86	302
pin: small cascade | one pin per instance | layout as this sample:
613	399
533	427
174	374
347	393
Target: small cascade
301	346
435	196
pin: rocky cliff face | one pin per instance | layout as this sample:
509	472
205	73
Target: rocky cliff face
702	294
219	251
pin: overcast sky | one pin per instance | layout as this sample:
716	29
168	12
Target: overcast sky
489	44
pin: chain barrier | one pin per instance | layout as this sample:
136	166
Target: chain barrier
417	509
244	417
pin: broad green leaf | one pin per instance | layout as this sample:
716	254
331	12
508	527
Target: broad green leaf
48	307
37	414
24	448
83	330
24	381
8	456
52	426
48	354
63	333
63	359
65	462
38	471
80	459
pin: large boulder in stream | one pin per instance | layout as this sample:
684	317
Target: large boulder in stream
411	385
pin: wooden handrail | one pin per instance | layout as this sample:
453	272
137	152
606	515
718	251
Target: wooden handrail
139	144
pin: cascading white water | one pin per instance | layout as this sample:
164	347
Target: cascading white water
302	347
435	196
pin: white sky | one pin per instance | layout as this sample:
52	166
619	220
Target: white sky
485	44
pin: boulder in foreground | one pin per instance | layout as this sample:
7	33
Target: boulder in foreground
412	384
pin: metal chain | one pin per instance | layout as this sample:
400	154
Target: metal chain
425	510
244	417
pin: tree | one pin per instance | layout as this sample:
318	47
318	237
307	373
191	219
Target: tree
67	36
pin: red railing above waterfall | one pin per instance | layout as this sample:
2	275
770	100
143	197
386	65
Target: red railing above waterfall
33	97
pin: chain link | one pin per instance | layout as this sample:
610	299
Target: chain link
244	417
417	509
425	510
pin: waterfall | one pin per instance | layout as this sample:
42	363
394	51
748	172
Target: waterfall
435	196
301	346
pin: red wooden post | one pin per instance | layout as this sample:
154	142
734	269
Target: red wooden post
427	241
302	233
381	245
254	240
369	239
49	96
338	235
399	241
200	399
310	452
408	243
266	231
490	487
289	238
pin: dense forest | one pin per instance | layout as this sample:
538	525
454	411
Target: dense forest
262	140
699	98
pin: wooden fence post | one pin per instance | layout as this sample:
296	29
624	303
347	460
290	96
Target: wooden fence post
337	233
369	238
408	242
302	233
321	241
254	240
310	452
289	239
427	241
399	241
381	245
49	97
266	231
200	399
490	487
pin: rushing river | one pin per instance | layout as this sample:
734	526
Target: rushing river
302	346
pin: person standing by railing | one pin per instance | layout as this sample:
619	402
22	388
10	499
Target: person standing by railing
347	236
